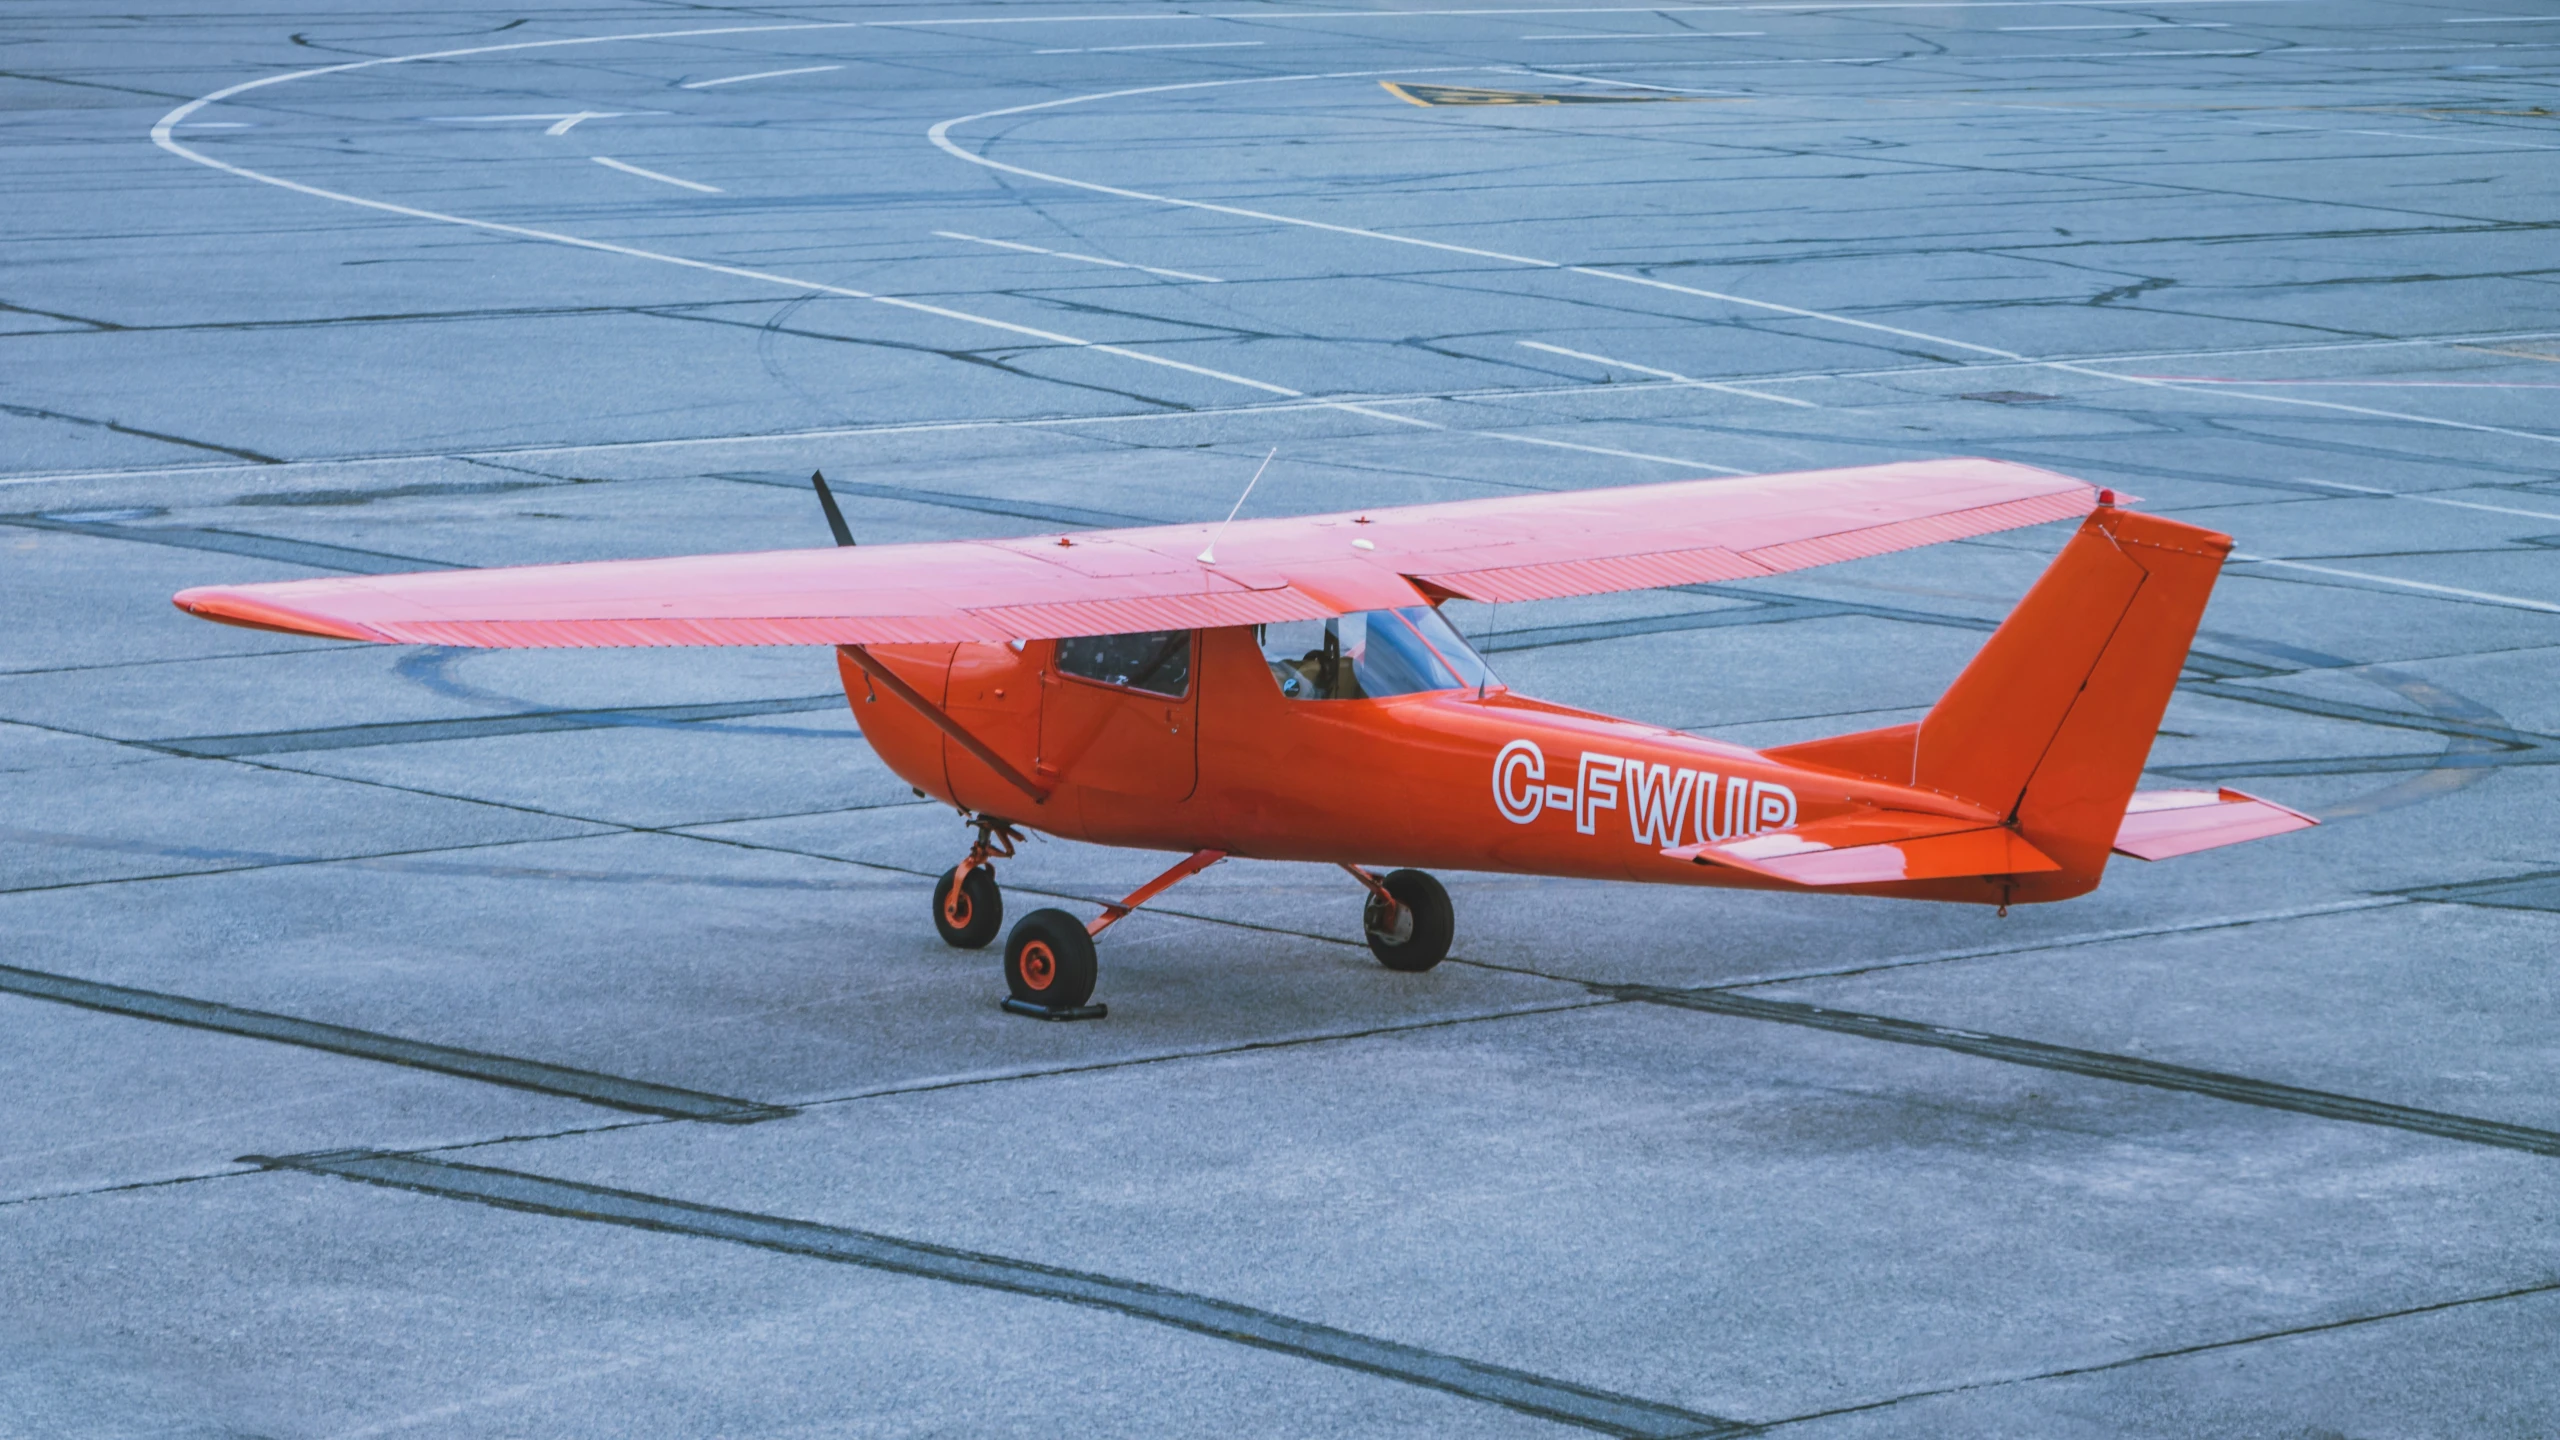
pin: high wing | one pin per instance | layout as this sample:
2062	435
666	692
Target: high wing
1528	547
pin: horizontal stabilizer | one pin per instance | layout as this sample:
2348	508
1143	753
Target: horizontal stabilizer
2162	823
1876	848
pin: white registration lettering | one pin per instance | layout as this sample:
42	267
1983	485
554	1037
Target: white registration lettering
1520	763
1661	802
1657	801
1599	782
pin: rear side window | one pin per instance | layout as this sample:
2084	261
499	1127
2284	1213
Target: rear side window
1158	661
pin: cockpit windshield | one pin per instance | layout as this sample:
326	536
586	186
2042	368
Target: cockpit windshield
1372	654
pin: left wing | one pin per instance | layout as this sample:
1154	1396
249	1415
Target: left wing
1514	547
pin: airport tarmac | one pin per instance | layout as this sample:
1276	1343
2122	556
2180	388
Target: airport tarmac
415	1042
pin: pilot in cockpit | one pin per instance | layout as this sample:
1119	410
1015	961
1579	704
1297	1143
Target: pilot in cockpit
1370	655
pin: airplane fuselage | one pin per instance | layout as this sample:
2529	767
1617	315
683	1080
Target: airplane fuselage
1451	779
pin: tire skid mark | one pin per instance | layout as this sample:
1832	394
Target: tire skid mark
1551	1399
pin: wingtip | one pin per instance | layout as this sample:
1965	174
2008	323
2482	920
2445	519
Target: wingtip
228	606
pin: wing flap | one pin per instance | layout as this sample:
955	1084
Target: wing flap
1876	848
2160	824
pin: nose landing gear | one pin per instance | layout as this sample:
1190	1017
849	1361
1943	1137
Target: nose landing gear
968	909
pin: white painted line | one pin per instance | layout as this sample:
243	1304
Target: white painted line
1670	375
2482	596
162	136
609	161
217	125
1363	406
1605	450
572	116
2434	500
1196	45
1087	259
940	135
2340	406
1656	35
759	75
2134	25
1376	414
2371	384
570	122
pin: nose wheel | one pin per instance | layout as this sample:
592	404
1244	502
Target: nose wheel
968	909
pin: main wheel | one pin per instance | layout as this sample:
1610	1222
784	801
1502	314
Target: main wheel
970	913
1048	960
1418	937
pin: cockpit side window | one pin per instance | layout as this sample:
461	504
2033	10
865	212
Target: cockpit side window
1371	654
1157	661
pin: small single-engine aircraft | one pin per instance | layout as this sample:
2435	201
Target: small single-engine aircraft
1289	690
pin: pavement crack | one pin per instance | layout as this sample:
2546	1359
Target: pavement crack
31	412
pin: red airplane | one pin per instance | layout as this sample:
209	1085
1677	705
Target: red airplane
1289	690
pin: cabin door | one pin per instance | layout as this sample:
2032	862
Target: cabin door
1119	715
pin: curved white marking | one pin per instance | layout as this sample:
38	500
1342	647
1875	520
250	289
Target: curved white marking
2431	499
759	75
2483	596
1194	45
1671	375
940	135
160	136
607	160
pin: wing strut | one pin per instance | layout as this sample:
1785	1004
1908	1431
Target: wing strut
889	681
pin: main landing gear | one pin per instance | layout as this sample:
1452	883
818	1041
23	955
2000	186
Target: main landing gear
1049	962
1408	919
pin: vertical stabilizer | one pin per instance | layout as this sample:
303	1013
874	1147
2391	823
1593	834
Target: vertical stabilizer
2052	722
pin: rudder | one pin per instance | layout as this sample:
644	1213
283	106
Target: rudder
2052	722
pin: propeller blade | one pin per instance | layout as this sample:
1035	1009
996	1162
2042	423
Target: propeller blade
835	517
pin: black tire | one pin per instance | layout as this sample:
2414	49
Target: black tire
1048	960
974	915
1424	923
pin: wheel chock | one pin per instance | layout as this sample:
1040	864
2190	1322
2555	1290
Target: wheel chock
1094	1011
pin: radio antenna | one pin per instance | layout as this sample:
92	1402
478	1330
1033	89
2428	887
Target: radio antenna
1209	552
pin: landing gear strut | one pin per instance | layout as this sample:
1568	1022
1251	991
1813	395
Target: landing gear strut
968	909
1049	966
1408	920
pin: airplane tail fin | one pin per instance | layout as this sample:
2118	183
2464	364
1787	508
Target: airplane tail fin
2051	723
